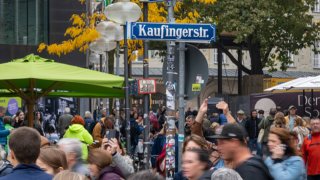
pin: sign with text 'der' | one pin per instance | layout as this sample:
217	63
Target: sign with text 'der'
204	33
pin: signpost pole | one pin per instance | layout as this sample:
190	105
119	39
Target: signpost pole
126	77
146	139
181	99
170	100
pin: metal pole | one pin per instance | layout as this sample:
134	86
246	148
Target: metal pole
239	72
170	100
219	71
304	102
107	71
117	126
126	77
181	99
146	139
312	106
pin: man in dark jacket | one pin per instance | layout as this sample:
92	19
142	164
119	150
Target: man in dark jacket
253	132
24	147
64	121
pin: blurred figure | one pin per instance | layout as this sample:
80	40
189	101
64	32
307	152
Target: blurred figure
5	165
154	121
52	160
89	122
266	125
307	121
24	144
189	123
233	148
284	162
225	174
301	131
279	121
7	121
73	150
147	175
19	120
52	136
289	120
77	130
64	121
119	158
38	123
261	114
310	150
195	162
69	175
99	165
100	129
253	131
241	118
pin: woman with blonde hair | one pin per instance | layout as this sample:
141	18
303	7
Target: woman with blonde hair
301	130
69	175
52	160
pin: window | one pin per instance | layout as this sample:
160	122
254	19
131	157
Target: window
215	57
316	8
316	56
23	22
290	55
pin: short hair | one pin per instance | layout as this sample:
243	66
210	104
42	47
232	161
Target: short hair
225	173
66	174
67	110
314	119
25	142
53	157
146	174
71	145
7	120
261	111
77	119
87	114
100	158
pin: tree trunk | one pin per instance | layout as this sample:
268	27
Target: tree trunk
255	56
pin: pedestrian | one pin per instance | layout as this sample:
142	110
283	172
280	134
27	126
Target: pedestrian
24	147
77	130
301	131
279	121
225	174
7	121
5	165
241	118
284	161
38	123
147	175
233	147
100	166
195	162
290	118
51	135
64	121
89	122
73	150
69	175
19	120
52	160
310	150
190	120
100	129
265	124
252	129
119	157
261	114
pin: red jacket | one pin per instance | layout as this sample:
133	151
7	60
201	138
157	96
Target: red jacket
311	153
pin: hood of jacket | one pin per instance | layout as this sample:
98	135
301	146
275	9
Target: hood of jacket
75	128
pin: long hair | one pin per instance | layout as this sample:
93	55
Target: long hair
285	138
196	139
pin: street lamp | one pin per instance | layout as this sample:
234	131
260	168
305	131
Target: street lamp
123	12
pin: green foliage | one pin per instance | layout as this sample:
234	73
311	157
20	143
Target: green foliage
275	26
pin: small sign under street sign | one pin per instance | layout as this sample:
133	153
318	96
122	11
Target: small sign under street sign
172	32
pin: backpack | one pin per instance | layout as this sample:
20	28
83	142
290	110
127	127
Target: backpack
260	165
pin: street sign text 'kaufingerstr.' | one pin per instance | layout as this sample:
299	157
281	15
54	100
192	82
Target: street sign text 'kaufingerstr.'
173	32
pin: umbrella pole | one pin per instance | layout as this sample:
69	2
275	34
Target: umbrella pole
30	107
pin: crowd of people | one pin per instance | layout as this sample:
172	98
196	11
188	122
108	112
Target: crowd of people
280	145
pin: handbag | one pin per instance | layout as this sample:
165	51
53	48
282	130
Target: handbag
261	133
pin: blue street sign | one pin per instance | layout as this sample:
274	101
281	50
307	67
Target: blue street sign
172	32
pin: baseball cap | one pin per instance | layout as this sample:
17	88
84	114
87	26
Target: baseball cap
292	106
230	131
240	112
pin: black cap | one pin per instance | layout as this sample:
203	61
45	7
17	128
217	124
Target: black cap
230	131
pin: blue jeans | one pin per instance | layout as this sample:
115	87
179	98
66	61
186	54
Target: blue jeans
254	145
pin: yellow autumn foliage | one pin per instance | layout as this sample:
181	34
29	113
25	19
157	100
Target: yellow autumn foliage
82	34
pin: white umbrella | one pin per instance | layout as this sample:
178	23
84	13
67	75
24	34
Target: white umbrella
312	83
286	85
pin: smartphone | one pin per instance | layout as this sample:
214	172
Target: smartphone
212	106
110	133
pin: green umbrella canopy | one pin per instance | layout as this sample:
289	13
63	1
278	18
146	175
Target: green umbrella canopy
32	77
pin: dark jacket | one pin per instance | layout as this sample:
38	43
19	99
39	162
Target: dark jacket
252	127
26	172
110	173
89	124
266	124
3	134
63	123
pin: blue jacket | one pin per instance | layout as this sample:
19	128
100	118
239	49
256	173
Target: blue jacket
3	133
27	172
291	168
